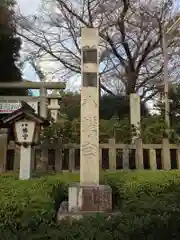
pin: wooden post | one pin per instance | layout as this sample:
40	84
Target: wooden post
33	159
37	159
44	159
152	159
43	107
139	154
43	113
42	164
58	156
100	159
3	148
166	159
178	156
72	159
16	158
112	154
126	157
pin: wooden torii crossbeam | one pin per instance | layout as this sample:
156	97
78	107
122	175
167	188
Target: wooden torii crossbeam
33	85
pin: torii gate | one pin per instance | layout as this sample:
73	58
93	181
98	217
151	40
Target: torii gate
43	86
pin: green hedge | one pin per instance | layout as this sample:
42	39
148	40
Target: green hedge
26	204
149	203
146	192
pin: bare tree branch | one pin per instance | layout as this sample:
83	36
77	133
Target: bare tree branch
130	36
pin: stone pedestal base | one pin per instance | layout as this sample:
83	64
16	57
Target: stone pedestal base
86	200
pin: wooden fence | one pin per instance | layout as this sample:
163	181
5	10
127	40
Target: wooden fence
112	156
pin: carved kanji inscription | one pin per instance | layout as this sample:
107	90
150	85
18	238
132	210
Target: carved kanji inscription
89	149
89	99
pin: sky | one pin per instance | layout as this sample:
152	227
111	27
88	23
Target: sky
28	7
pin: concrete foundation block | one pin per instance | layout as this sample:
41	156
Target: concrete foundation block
90	198
86	200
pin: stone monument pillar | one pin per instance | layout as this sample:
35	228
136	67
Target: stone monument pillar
89	153
88	196
135	113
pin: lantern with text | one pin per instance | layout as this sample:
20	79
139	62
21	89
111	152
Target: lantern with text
26	125
26	132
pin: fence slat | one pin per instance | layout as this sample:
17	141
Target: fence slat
139	154
100	158
152	159
43	164
58	156
126	158
16	158
166	159
72	159
178	157
112	154
165	147
3	149
33	159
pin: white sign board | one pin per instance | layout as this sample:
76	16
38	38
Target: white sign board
6	107
25	131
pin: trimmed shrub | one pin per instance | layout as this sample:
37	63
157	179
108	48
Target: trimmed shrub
149	203
126	227
26	204
146	192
